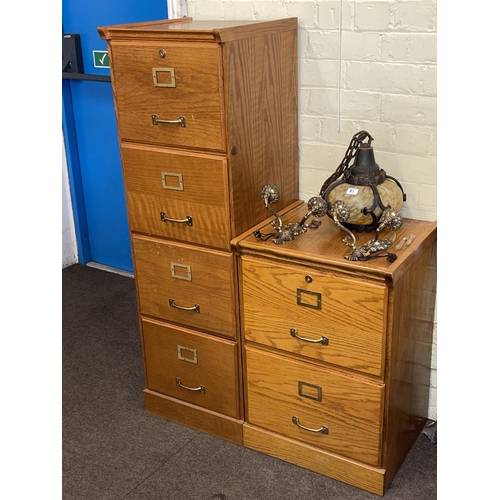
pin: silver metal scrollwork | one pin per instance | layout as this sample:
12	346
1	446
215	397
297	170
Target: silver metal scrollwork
316	207
390	219
271	195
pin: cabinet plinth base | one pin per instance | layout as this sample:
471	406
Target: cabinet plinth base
193	416
328	464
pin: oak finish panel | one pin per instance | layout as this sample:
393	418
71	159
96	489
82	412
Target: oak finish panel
262	104
197	360
197	95
352	314
210	286
351	408
193	416
220	31
203	194
324	247
410	350
313	458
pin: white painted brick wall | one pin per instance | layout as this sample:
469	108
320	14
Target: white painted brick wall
388	87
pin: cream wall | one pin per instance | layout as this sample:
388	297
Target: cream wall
388	70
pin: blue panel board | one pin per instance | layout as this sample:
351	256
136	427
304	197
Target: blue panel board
85	16
94	158
101	174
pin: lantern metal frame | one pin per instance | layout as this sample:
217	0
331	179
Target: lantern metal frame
363	172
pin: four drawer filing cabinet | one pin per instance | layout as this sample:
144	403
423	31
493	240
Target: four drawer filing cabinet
291	350
206	114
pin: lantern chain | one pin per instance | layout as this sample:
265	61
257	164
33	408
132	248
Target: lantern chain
350	153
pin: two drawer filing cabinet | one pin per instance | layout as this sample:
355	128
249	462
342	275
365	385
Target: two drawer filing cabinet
206	114
337	353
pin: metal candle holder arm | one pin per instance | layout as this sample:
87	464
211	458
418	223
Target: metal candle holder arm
357	197
316	206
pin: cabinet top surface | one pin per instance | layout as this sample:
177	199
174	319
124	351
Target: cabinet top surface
324	245
189	29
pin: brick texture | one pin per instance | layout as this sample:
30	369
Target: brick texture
388	87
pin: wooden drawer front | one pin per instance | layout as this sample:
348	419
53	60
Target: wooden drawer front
348	313
279	388
182	187
171	276
140	76
191	366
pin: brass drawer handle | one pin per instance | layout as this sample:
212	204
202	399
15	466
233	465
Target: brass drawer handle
323	340
195	308
181	121
194	389
188	220
323	429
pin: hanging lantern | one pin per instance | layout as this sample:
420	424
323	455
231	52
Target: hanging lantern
362	197
363	186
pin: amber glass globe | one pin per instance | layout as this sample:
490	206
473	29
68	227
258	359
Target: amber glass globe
367	190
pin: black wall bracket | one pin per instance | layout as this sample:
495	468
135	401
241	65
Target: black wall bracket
72	60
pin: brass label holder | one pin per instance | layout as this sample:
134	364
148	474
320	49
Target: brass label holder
304	295
180	181
156	81
304	386
180	355
175	268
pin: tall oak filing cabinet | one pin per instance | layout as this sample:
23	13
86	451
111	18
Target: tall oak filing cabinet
206	114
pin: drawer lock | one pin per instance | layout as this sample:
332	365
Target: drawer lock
323	429
323	340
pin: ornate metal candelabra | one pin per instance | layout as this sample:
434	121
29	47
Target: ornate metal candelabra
316	206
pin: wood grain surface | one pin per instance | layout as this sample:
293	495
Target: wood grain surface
211	285
316	459
262	107
324	246
197	95
193	416
352	315
204	194
197	30
351	408
197	360
406	300
410	352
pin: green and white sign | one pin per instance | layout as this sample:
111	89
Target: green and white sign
101	58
